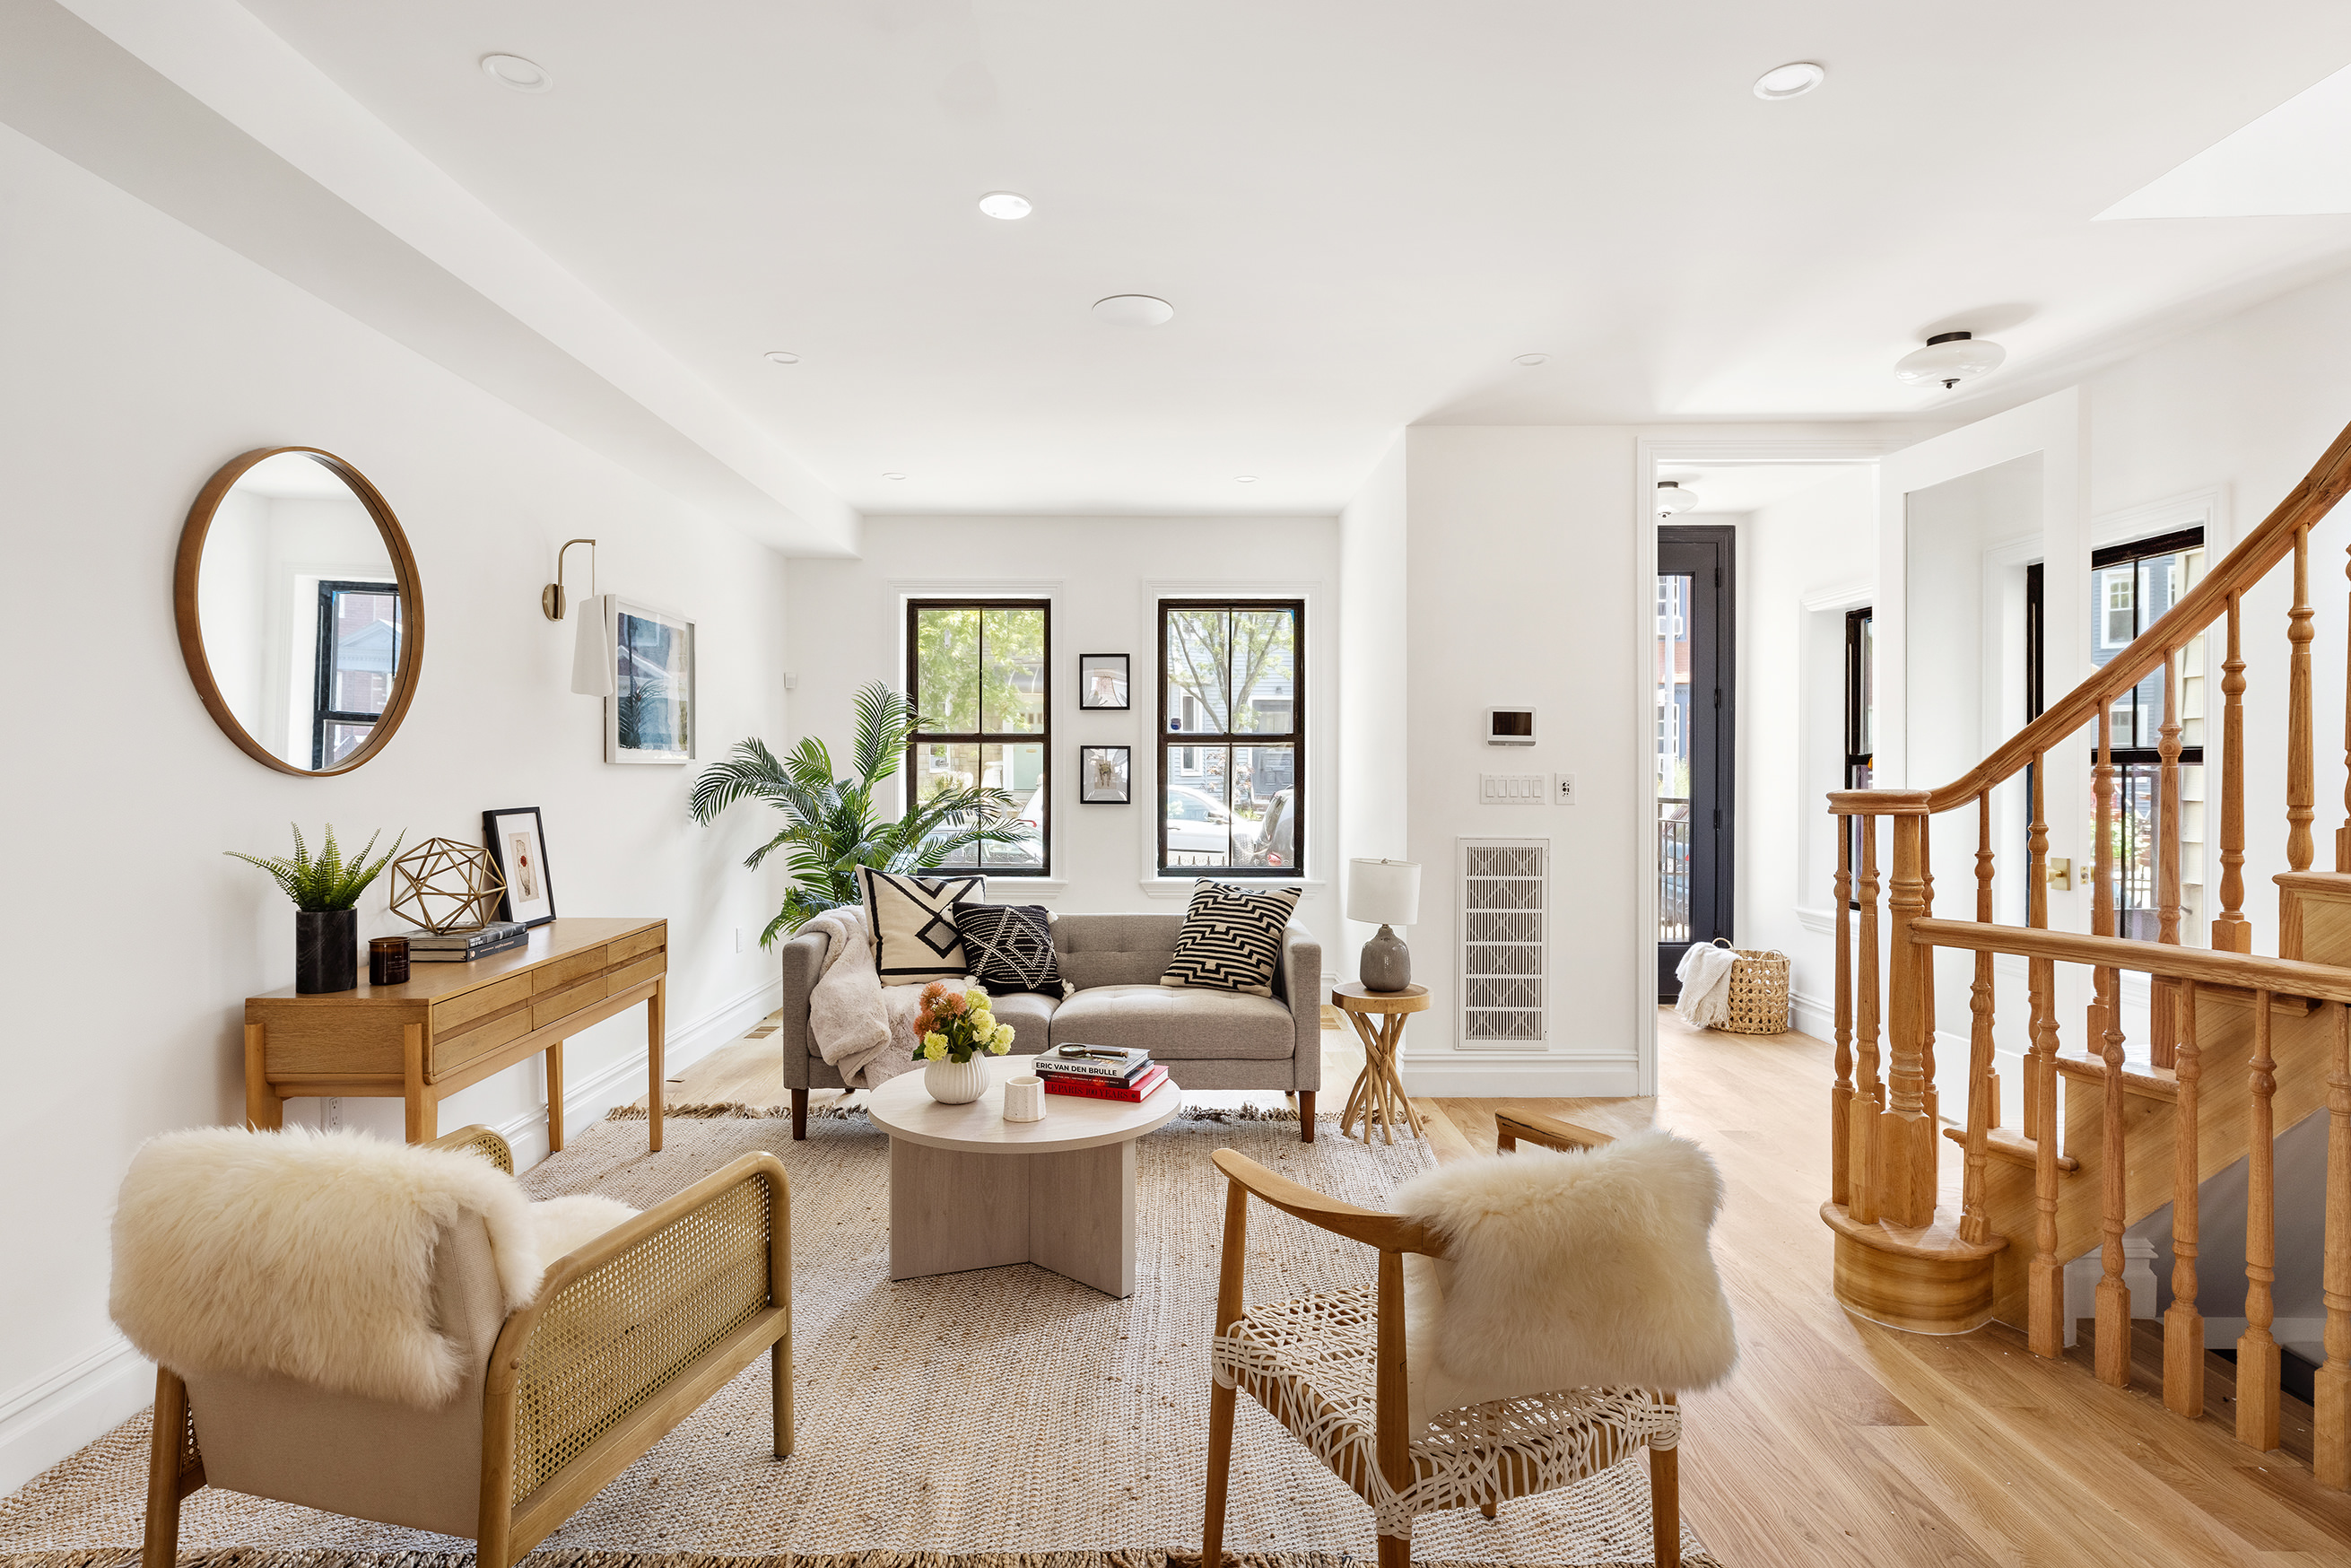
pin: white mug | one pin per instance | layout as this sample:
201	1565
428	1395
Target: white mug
1024	1099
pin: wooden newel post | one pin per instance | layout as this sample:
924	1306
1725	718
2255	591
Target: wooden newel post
1906	1146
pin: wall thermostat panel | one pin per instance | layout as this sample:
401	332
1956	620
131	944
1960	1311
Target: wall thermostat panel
1510	726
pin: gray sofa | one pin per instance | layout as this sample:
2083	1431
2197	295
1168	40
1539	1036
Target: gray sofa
1207	1040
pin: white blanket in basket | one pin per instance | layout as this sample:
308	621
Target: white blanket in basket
1705	975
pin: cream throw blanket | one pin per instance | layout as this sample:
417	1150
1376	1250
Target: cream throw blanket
864	1028
309	1255
1705	975
1584	1270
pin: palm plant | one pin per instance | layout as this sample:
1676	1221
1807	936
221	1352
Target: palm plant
832	829
329	882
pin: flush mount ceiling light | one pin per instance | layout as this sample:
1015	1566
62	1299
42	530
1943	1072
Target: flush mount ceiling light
1006	204
1672	497
1244	478
780	357
1135	310
514	71
1791	80
1949	358
894	475
1530	361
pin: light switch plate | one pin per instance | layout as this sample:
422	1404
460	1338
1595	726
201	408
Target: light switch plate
1512	789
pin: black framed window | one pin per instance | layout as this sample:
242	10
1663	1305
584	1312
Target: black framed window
1860	716
979	672
358	655
1232	735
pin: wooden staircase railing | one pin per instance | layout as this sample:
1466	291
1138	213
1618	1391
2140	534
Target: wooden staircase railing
2240	1048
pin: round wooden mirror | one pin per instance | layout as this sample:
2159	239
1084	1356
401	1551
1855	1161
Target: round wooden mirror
299	611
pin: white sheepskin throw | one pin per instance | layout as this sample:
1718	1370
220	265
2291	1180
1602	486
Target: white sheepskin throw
309	1255
1566	1271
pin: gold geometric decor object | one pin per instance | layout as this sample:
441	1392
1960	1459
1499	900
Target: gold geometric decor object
443	885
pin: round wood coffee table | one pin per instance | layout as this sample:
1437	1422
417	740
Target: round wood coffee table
1378	1091
971	1190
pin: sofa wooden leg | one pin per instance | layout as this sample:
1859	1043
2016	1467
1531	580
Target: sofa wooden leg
161	1548
800	1115
1306	1115
1665	1507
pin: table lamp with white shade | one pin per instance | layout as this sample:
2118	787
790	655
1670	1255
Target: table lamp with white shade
1386	893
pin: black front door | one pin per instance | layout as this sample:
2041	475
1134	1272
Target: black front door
1693	692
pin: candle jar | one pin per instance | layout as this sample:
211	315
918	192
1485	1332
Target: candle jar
388	961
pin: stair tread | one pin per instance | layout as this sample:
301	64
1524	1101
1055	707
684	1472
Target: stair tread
2157	1083
2006	1144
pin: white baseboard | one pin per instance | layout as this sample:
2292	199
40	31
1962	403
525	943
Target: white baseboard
1521	1077
47	1419
620	1081
1812	1016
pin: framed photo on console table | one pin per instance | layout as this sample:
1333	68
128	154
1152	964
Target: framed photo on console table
1102	681
1106	775
518	844
650	715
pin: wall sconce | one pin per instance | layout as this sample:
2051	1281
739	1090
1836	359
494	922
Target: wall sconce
591	652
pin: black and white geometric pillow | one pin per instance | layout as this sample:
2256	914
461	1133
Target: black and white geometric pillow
1010	948
1231	938
913	920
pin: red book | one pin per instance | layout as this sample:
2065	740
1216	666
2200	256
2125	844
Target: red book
1097	1088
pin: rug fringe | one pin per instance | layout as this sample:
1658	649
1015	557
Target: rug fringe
244	1557
743	1111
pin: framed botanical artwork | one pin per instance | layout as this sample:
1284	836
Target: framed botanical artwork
650	715
1102	680
1106	775
518	844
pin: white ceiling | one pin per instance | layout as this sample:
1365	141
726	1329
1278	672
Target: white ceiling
1362	210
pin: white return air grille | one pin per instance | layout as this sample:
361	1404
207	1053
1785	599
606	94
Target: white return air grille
1505	887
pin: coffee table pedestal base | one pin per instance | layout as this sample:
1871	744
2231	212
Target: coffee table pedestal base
1070	1211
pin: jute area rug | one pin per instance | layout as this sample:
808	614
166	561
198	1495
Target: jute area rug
1000	1417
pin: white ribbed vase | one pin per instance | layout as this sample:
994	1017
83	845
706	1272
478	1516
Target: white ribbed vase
955	1082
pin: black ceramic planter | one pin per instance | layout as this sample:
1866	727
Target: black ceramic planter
326	950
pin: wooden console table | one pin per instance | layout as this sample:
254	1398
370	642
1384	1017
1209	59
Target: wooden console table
453	1025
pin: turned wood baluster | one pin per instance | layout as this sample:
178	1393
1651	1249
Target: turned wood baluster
2331	1463
1841	1097
1983	1089
1907	1148
2231	932
2257	1351
2298	632
1868	1094
2343	833
1931	1099
2183	1325
2113	1295
2040	1120
2102	905
2163	1024
2045	1308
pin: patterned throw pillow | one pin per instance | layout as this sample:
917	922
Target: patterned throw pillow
1010	947
1231	939
912	919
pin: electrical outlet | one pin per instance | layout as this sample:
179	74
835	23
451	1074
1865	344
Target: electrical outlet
1563	789
738	938
330	1114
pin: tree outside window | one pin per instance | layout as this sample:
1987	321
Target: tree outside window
1232	735
979	673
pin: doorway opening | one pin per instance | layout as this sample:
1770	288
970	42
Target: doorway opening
1696	722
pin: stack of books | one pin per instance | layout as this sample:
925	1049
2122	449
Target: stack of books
463	947
1100	1072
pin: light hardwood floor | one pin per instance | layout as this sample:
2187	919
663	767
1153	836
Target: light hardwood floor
1838	1442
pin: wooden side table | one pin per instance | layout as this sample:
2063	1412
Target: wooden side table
453	1025
1378	1091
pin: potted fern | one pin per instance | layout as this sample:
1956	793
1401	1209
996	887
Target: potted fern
831	830
326	894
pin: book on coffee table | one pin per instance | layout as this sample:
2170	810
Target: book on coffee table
1108	1089
1113	1062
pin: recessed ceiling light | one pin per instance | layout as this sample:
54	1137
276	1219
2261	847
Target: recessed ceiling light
781	357
1135	310
894	475
1531	359
1005	204
514	71
1244	478
1791	80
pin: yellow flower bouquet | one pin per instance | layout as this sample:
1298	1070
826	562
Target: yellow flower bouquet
956	1025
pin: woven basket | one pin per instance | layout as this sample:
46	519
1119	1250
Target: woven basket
1759	992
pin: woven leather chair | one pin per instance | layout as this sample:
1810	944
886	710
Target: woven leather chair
629	1335
1332	1369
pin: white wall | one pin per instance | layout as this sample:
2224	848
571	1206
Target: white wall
141	357
847	626
1375	706
1521	558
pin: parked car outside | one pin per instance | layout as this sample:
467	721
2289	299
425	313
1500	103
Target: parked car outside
1273	843
1199	823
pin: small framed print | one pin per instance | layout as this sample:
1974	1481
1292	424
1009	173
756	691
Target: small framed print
1106	775
518	844
1102	680
650	715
